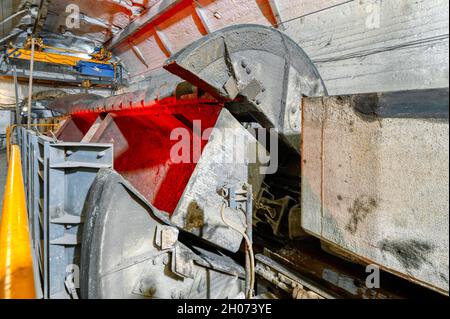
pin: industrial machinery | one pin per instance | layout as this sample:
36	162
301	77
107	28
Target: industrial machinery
232	180
97	64
67	65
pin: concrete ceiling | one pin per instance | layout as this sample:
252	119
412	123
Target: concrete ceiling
141	33
99	20
171	25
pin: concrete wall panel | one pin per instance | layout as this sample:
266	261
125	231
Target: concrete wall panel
378	187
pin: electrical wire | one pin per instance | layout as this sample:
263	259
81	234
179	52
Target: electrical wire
248	245
364	53
3	21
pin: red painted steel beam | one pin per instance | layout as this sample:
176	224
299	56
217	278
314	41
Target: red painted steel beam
153	16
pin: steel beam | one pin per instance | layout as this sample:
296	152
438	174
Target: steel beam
276	13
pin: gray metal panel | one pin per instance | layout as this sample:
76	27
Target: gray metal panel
72	169
58	177
223	162
44	220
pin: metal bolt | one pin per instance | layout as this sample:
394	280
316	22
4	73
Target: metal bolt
244	63
263	89
258	102
248	70
68	153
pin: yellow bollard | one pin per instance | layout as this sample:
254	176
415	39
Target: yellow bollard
16	263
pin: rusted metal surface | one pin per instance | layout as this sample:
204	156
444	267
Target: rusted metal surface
375	180
333	276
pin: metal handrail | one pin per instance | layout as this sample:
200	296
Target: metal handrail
10	130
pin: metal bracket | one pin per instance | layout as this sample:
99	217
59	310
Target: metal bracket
284	279
166	237
238	196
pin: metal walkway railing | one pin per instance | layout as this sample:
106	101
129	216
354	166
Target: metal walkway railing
57	177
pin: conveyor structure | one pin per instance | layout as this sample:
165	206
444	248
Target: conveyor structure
139	218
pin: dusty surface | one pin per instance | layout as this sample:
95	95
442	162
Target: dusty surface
378	189
384	46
